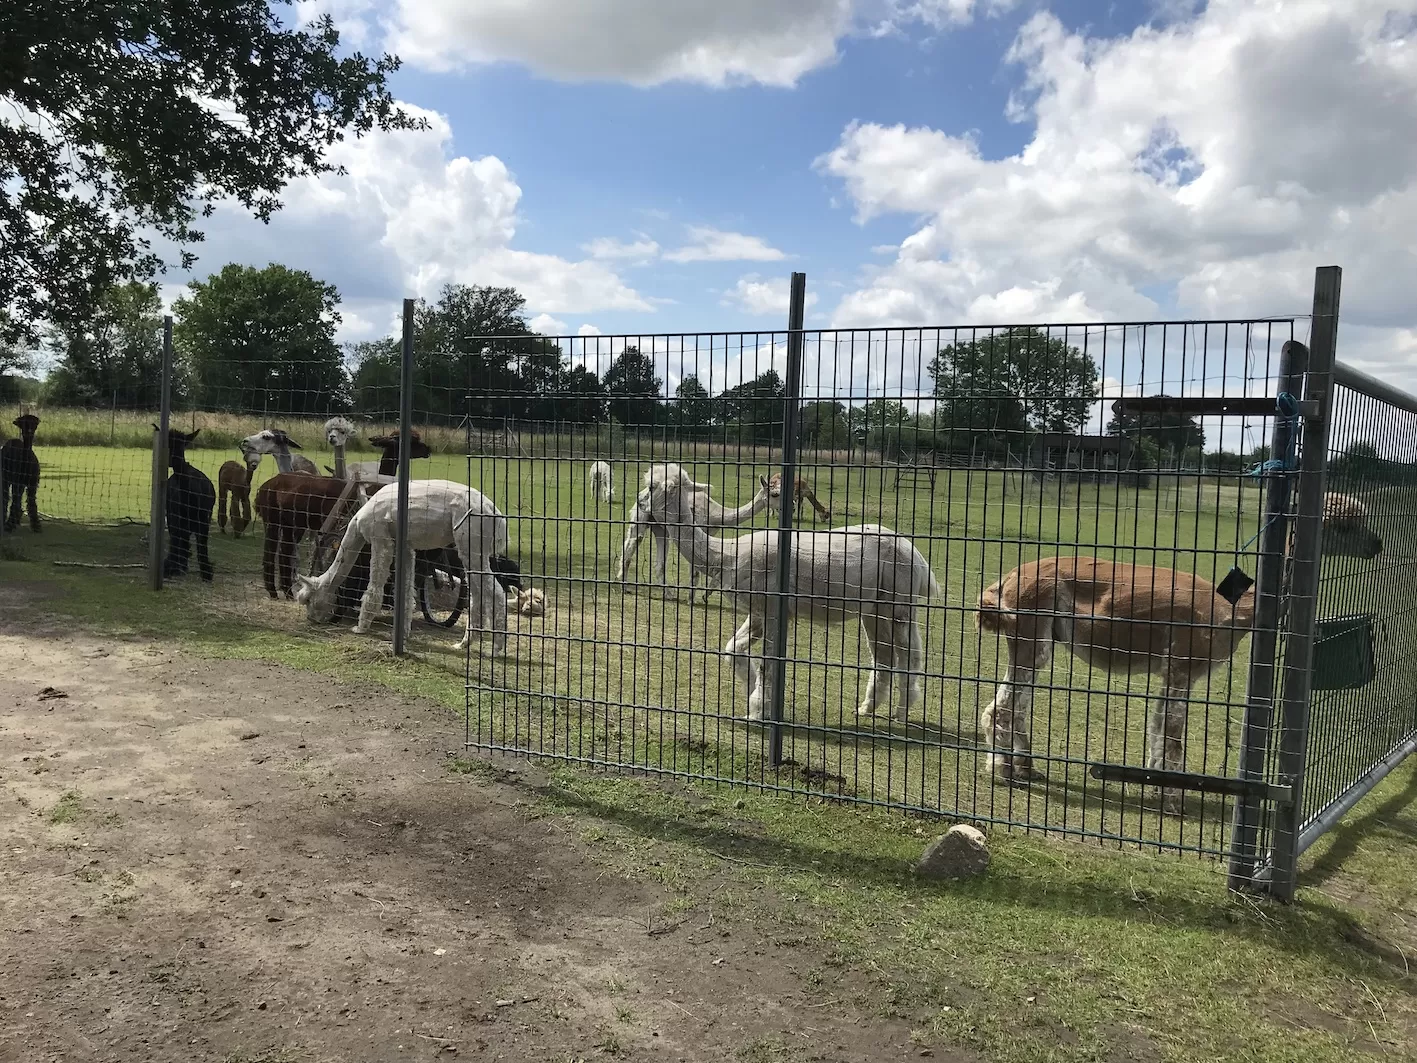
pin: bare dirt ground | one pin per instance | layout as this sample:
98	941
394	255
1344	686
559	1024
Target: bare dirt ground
202	860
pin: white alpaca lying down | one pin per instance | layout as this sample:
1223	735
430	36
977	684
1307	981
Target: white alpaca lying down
440	513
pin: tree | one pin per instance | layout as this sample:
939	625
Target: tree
263	339
115	359
585	397
825	426
129	115
633	388
694	410
15	363
1172	433
1014	380
752	411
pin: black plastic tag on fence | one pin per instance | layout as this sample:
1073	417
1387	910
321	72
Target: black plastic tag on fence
1233	587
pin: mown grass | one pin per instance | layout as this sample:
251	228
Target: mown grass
1063	951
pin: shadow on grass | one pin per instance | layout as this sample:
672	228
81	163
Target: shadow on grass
1357	829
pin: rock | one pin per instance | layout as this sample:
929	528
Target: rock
961	852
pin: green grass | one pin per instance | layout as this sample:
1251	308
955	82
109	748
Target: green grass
1063	951
67	809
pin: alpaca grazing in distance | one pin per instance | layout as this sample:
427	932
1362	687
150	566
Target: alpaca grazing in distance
866	572
233	481
291	504
440	513
19	471
600	486
1125	619
801	489
704	509
190	500
275	442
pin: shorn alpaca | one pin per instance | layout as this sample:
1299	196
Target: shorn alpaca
1125	619
706	512
19	471
866	572
440	513
190	501
233	480
275	442
600	486
801	489
291	504
338	433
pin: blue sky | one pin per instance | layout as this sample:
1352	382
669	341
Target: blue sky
645	166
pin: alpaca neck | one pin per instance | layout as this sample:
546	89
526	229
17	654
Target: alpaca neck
389	464
720	517
705	553
250	472
284	463
1244	612
340	471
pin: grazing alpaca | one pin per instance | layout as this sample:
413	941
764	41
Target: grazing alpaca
440	513
275	442
706	512
865	572
290	504
190	500
233	479
19	472
600	488
802	489
1124	618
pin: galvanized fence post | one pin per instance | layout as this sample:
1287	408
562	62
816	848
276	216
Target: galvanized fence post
796	307
402	572
157	514
1303	587
1269	586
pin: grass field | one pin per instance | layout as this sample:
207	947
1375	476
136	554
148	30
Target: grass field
632	680
1062	952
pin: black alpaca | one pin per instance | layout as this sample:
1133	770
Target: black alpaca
190	501
506	571
19	472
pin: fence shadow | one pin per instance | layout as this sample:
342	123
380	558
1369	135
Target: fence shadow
1357	829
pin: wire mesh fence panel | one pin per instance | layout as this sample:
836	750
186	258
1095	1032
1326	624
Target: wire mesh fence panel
928	468
1363	710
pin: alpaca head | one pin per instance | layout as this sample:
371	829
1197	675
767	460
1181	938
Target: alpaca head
270	441
319	607
250	458
27	423
338	432
768	489
506	571
531	602
177	443
389	444
1345	528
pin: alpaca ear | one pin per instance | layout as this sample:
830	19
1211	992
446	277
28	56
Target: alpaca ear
292	443
193	434
764	481
155	427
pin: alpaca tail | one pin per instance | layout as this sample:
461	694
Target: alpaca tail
924	583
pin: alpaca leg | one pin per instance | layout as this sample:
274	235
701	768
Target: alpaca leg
12	504
286	561
737	650
881	650
484	587
221	509
910	651
269	547
204	559
1166	738
1005	721
634	532
766	672
32	506
661	563
410	560
381	559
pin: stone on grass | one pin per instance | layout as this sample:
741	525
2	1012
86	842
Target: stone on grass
961	852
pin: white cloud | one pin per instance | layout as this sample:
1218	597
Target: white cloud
547	325
754	295
406	218
1221	157
714	245
640	250
649	42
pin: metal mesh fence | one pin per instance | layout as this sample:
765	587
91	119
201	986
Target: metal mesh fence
936	461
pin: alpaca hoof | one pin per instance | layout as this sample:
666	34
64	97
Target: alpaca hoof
865	710
1171	802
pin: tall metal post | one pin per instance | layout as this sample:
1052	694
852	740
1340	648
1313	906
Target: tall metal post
796	307
401	561
1269	586
1304	580
157	513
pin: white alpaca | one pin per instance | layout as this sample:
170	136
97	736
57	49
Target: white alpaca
338	433
440	513
866	572
600	488
275	442
706	512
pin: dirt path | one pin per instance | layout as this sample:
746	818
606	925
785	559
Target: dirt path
202	860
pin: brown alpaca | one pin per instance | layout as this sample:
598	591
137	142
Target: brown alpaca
293	503
234	479
1123	618
802	489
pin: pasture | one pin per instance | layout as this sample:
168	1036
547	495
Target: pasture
629	679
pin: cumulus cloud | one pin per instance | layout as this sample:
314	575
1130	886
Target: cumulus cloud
405	218
649	42
754	295
1212	161
638	251
714	245
547	325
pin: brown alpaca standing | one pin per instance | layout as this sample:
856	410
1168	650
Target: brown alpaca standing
19	470
293	503
234	479
802	489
